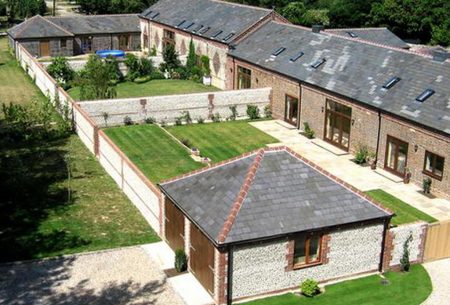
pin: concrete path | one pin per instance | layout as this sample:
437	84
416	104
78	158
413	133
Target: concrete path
339	163
63	8
122	276
439	272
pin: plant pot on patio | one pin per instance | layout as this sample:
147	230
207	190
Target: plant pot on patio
207	80
195	151
407	177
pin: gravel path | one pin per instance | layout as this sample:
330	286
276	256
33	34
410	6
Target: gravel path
123	276
439	272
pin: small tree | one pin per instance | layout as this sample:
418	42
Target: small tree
404	261
192	57
170	58
180	260
61	71
253	112
105	116
205	65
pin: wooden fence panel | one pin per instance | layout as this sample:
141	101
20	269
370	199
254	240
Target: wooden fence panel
437	245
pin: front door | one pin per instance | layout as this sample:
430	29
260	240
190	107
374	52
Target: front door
174	226
396	156
291	110
201	259
44	48
86	44
124	42
338	124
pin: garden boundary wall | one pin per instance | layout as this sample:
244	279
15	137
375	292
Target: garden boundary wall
141	192
168	108
395	240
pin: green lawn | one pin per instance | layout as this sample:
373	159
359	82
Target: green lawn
221	141
38	220
404	213
157	154
410	288
154	88
15	85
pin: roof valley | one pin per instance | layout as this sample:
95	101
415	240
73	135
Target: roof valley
251	174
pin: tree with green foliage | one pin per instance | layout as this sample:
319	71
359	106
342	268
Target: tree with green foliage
170	58
61	71
294	12
192	57
93	7
95	80
25	8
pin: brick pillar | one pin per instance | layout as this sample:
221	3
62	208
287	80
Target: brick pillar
211	105
96	141
423	239
388	248
220	276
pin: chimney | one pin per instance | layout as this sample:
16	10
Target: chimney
317	28
440	54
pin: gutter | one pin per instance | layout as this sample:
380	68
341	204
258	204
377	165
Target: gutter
229	276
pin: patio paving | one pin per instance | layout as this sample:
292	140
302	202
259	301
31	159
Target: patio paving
439	272
362	177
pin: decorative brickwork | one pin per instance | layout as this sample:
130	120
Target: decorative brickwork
221	277
388	248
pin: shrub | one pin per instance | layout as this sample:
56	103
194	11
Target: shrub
156	75
404	261
153	51
216	118
181	73
267	112
132	62
150	120
170	58
163	123
192	57
115	75
186	142
426	185
145	66
142	79
180	260
127	121
205	65
361	154
308	131
61	71
310	288
186	117
179	121
253	112
234	113
200	120
105	116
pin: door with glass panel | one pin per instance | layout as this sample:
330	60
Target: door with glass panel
291	110
338	124
396	156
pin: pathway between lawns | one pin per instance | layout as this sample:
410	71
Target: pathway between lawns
120	276
439	272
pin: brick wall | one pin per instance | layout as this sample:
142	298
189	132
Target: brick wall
168	108
415	163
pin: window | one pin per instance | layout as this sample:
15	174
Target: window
297	56
124	42
278	51
434	165
318	63
391	82
307	250
63	43
168	38
338	119
244	78
425	95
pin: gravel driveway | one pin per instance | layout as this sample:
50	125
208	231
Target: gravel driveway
123	276
439	272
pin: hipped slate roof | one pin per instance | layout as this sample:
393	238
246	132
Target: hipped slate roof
48	27
378	35
356	70
267	193
230	18
37	27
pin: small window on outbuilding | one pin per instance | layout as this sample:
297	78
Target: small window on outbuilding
307	250
244	78
433	165
63	43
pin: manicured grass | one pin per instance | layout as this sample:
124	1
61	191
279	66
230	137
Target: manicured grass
221	141
15	85
154	88
410	288
38	220
157	154
404	213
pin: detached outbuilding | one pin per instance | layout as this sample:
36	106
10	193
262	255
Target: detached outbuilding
266	221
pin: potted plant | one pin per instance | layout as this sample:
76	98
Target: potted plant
372	160
195	151
180	261
206	71
426	185
407	176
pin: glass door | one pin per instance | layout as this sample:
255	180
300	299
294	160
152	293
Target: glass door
396	156
338	124
291	110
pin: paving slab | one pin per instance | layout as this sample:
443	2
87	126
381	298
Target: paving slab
439	272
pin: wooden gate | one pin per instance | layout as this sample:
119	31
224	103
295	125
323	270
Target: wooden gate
174	226
437	245
201	259
44	48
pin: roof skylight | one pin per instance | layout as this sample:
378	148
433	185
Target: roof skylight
391	82
189	25
155	15
279	51
352	34
203	31
228	37
425	95
297	56
318	63
216	34
197	28
181	23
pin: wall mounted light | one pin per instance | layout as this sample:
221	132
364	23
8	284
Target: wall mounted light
323	109
416	147
353	122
